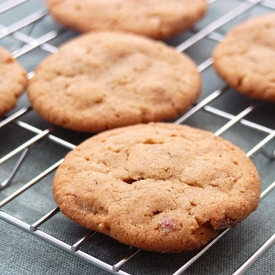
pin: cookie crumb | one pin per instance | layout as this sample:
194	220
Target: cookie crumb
224	223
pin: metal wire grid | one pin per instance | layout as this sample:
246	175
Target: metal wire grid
21	31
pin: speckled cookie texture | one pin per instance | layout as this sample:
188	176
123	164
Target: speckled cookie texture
104	80
245	59
158	186
154	18
13	81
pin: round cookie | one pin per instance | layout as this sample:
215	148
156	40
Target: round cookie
245	59
13	81
154	18
158	186
104	80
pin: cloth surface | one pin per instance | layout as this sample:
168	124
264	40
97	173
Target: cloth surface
25	254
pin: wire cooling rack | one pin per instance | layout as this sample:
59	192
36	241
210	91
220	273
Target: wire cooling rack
31	149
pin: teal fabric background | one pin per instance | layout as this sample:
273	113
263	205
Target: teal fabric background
22	253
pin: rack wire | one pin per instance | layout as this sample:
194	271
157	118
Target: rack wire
30	33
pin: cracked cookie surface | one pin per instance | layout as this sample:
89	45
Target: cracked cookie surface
245	59
160	187
13	81
154	18
100	81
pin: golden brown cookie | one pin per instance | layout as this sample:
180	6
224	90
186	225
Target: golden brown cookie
154	18
245	59
13	81
158	186
105	80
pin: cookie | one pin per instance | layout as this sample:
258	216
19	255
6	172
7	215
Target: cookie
245	59
13	81
153	18
159	186
104	80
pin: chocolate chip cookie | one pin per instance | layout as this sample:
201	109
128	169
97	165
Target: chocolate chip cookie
158	186
13	81
245	59
104	80
154	18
